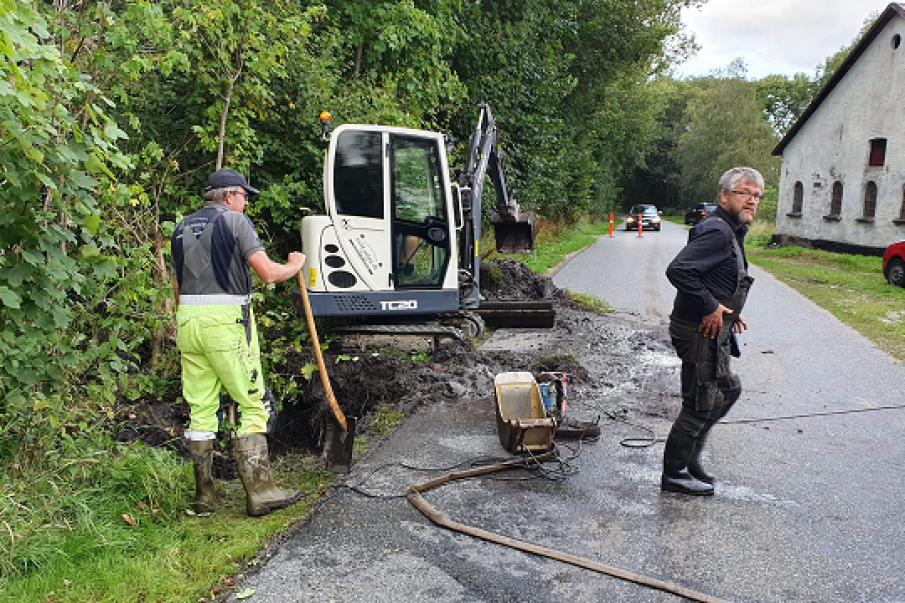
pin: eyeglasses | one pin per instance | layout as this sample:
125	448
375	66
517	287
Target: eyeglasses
755	196
245	193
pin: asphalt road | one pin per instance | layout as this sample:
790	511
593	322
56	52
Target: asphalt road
628	271
806	509
810	508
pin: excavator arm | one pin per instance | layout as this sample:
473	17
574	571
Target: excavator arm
513	228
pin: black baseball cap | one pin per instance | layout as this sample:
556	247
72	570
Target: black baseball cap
225	178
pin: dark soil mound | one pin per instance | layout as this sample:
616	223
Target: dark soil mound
604	357
508	280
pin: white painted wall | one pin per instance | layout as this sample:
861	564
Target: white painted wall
868	103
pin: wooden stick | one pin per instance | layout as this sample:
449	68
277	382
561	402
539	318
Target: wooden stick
322	369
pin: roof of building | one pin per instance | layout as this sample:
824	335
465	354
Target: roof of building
891	11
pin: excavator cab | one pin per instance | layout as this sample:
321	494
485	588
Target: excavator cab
387	243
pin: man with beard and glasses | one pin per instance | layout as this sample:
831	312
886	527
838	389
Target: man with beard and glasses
711	277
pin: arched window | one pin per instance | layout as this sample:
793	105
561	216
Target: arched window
902	209
797	197
870	200
836	200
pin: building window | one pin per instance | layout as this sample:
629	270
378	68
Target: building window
797	198
901	219
836	200
896	41
870	201
877	152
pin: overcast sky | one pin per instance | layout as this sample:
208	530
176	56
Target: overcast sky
772	36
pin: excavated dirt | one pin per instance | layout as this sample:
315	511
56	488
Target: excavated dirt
616	366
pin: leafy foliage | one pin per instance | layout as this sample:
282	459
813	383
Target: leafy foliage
565	79
785	98
58	148
725	129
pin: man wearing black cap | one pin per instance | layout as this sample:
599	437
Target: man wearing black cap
217	336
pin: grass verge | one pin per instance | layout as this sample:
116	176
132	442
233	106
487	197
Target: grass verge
110	524
552	243
591	303
851	287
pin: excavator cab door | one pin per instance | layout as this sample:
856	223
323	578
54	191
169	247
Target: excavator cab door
355	183
421	231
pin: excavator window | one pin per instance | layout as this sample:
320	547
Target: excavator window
358	174
421	224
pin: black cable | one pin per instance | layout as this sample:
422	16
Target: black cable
357	487
815	414
635	442
639	442
562	472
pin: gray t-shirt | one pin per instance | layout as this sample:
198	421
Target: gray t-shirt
215	261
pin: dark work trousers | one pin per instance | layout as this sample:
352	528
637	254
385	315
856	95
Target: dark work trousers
709	387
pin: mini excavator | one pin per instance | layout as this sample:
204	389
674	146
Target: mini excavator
398	248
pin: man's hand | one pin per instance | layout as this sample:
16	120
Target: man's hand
296	260
740	325
712	324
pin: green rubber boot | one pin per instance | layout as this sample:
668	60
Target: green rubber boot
262	495
202	461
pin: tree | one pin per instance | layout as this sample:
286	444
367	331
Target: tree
725	128
785	98
569	82
657	180
236	50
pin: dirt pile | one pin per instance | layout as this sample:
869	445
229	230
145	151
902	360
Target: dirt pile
508	280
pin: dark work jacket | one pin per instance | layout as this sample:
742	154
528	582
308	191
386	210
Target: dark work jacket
706	269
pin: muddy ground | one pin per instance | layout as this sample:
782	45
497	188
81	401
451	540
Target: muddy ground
618	367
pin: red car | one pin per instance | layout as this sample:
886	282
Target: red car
894	264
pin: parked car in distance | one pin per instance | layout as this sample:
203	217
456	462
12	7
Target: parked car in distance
696	214
650	217
894	264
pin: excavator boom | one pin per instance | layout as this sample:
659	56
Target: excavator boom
513	229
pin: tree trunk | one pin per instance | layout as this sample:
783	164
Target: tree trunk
226	101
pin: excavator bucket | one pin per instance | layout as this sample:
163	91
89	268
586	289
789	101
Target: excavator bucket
522	422
514	235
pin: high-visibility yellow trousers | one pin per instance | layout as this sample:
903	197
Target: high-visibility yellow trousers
215	354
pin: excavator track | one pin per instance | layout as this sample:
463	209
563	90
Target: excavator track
429	329
462	325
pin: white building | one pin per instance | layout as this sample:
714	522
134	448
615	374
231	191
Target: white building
843	162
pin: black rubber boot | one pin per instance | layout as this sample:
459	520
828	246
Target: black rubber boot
262	495
676	478
202	461
695	469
